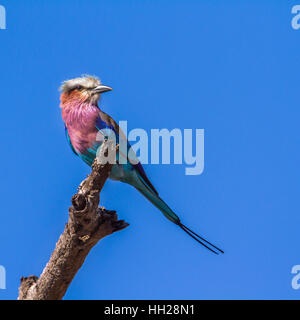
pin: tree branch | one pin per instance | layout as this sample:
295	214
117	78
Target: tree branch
86	226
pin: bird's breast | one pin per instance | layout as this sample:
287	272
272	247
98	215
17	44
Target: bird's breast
81	125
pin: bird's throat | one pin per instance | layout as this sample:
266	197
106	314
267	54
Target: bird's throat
79	114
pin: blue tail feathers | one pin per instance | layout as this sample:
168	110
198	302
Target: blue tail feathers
170	215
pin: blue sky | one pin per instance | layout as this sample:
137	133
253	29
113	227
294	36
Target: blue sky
228	67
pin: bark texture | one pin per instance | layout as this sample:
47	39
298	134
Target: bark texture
86	226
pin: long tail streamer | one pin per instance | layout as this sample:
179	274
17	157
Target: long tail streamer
199	238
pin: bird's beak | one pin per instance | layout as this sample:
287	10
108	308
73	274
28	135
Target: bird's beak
101	89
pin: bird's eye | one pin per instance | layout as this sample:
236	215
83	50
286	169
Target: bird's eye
78	88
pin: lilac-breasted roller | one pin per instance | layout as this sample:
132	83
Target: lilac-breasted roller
85	123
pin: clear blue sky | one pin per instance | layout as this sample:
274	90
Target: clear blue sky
229	67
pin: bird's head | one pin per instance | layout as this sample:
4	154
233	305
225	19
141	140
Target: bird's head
85	89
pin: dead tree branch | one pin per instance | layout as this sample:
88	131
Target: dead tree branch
86	226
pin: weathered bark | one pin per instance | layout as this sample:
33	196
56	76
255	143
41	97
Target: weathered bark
86	226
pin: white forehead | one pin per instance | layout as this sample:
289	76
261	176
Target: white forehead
84	81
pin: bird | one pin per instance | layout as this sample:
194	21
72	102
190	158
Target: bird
85	122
